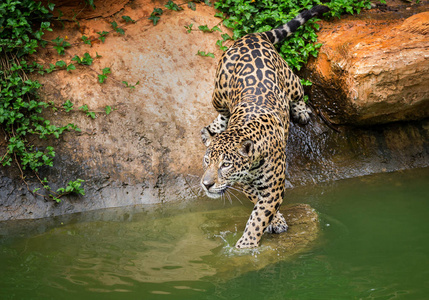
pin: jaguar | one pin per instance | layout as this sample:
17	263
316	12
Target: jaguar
255	95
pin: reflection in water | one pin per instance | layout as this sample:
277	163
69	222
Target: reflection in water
185	247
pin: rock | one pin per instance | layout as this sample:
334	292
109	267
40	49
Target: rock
372	71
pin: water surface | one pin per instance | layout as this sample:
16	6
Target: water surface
373	244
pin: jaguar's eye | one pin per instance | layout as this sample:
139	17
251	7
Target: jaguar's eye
206	160
226	164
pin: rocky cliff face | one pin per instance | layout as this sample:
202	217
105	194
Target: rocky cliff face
373	70
148	150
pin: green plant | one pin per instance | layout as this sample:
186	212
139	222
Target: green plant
127	19
86	40
70	67
130	85
256	16
85	60
219	43
156	15
26	131
68	106
306	82
103	76
108	110
102	35
74	186
189	28
173	6
89	113
191	5
61	64
60	45
116	28
205	28
203	53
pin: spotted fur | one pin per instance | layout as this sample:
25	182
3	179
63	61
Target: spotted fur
255	91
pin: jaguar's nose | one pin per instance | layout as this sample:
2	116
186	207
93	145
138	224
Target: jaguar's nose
208	184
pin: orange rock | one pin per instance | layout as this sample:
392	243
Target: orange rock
373	71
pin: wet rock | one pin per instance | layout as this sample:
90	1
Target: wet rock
373	70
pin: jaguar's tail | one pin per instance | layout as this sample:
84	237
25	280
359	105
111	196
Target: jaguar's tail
280	33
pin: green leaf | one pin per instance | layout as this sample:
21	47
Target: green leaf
86	40
68	106
87	59
204	28
84	108
173	6
102	35
219	43
154	19
226	37
157	11
101	78
116	28
215	28
91	114
306	82
71	67
128	19
106	71
154	16
203	53
108	109
77	59
60	64
191	5
189	27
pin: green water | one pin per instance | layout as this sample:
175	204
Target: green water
374	244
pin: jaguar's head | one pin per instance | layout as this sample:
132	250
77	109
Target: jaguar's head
227	160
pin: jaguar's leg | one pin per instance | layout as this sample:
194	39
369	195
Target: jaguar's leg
264	211
217	126
300	112
278	224
298	109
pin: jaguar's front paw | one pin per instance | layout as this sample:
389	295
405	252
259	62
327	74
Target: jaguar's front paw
206	136
300	112
278	225
245	243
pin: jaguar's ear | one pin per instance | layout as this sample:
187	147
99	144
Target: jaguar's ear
246	148
206	137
